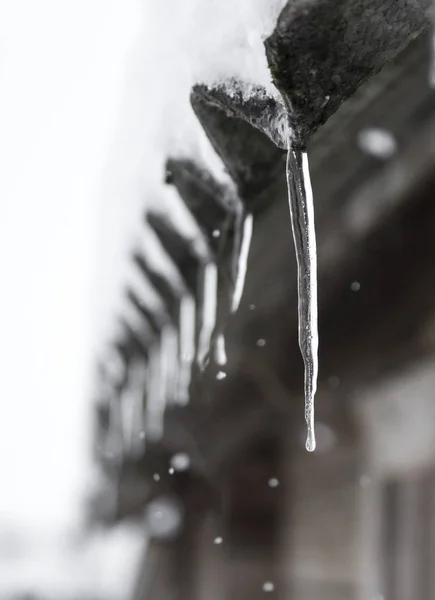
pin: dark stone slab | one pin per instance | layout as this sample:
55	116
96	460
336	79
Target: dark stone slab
211	203
238	130
162	286
178	248
135	346
321	52
150	318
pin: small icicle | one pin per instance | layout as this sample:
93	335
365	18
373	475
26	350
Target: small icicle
156	400
209	311
220	351
187	346
302	218
133	409
242	262
114	446
170	348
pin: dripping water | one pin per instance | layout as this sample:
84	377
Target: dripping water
245	225
300	197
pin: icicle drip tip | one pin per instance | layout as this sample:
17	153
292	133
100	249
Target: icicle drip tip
302	218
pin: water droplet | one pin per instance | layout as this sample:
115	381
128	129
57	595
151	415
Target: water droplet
252	307
216	233
355	286
273	482
163	517
156	477
326	438
218	540
377	142
142	435
268	586
261	342
220	375
180	461
171	471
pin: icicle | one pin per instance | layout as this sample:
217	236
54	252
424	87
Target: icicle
170	350
187	346
302	218
132	409
242	262
220	351
114	446
432	50
156	401
209	309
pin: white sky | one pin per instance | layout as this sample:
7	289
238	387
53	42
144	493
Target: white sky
61	79
93	96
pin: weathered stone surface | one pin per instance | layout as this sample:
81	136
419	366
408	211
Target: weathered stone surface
150	319
211	204
236	129
321	51
178	248
162	286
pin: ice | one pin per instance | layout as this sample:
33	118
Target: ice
132	407
209	308
114	446
242	261
302	218
220	350
187	346
155	401
170	350
432	53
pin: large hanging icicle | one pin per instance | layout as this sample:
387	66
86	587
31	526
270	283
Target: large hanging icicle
302	218
432	50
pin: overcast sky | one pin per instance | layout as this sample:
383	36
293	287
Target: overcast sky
93	97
